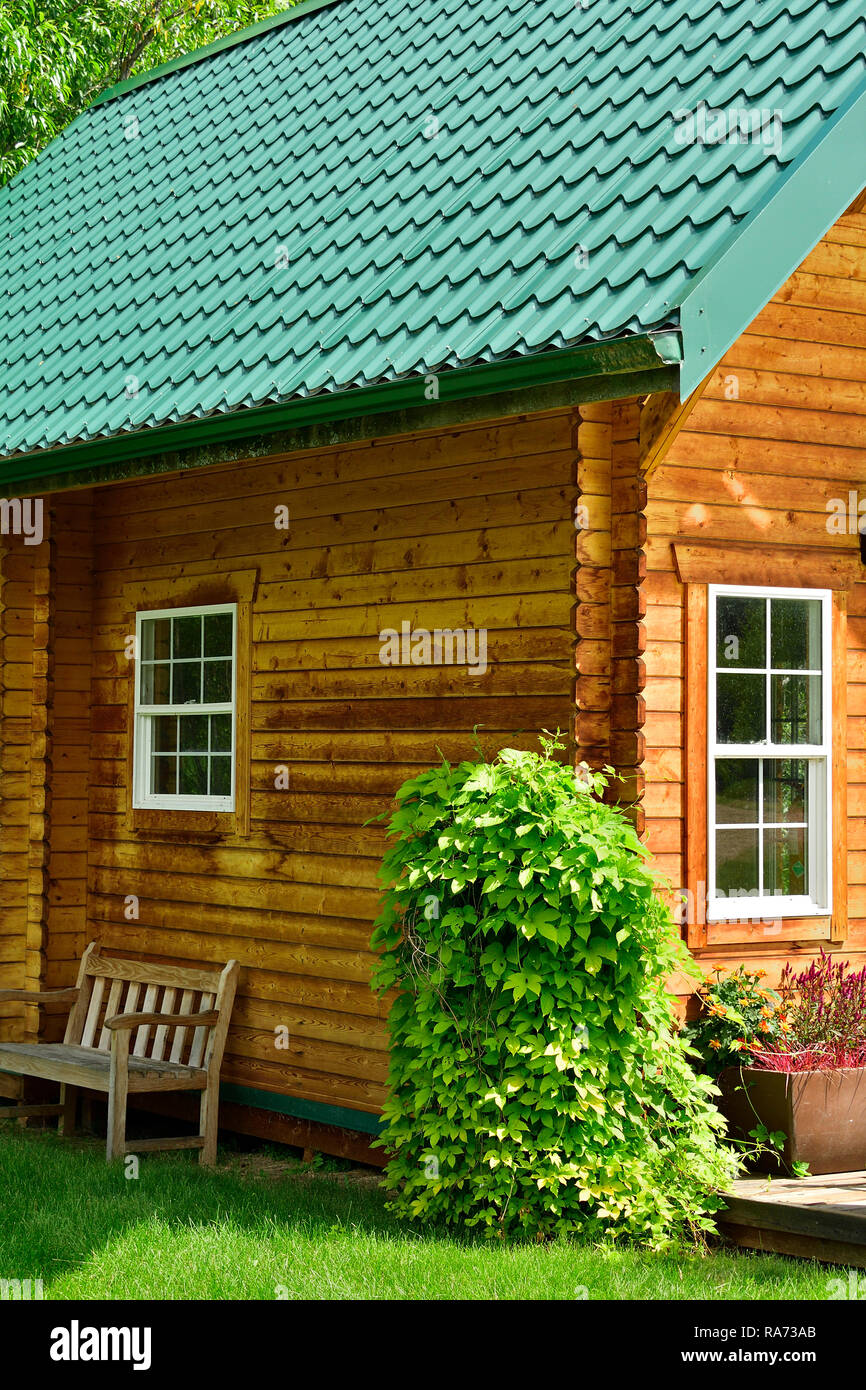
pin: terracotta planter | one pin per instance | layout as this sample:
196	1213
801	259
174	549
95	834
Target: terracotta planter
823	1114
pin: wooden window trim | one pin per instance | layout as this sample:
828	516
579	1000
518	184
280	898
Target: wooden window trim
236	587
701	934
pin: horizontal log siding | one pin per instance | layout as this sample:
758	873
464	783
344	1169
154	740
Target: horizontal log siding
760	468
44	735
469	528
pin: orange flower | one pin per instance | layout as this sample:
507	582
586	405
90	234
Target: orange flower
719	968
714	1042
759	974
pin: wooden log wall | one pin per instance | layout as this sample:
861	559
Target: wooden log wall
779	431
469	528
44	735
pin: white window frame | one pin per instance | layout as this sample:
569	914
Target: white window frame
142	799
817	903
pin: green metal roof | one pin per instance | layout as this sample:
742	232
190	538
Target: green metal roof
279	218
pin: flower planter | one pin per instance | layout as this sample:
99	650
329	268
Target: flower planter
823	1115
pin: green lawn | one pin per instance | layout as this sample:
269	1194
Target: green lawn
179	1232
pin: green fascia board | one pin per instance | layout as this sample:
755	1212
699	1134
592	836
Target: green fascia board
624	361
316	1111
771	243
304	7
333	434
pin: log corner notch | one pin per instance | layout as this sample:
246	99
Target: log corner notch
662	416
610	638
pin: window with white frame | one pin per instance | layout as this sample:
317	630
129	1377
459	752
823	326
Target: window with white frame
769	764
184	741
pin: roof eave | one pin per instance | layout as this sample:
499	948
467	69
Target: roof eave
619	367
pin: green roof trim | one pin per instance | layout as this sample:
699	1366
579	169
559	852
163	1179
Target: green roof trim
352	195
727	295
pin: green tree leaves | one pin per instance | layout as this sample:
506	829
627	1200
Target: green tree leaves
57	55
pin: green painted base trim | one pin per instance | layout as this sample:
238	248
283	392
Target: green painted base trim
312	1110
596	371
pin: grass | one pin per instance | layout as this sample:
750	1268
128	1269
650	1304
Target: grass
261	1228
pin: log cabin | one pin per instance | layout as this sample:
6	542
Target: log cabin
377	384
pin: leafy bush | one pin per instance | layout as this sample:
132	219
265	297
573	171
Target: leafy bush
537	1082
738	1018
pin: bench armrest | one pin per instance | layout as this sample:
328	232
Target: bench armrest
41	996
120	1021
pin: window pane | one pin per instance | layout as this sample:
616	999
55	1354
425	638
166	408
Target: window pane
217	682
796	709
220	776
221	732
187	636
193	776
737	791
165	734
741	631
795	634
785	867
737	863
218	634
785	789
193	733
155	685
163	777
155	639
186	683
741	714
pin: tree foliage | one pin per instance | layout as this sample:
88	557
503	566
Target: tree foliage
538	1084
57	55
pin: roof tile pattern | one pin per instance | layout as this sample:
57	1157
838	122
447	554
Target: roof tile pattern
367	192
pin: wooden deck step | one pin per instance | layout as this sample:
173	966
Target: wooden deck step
819	1218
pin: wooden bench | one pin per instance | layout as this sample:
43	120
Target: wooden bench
178	1044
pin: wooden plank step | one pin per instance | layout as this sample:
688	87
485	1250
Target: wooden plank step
823	1222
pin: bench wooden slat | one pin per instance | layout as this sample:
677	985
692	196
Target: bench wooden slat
78	1012
130	1003
89	1030
84	1066
111	1008
180	1033
160	1037
143	973
139	1047
200	1036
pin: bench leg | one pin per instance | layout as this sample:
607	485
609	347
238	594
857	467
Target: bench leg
115	1145
208	1123
87	1112
68	1099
